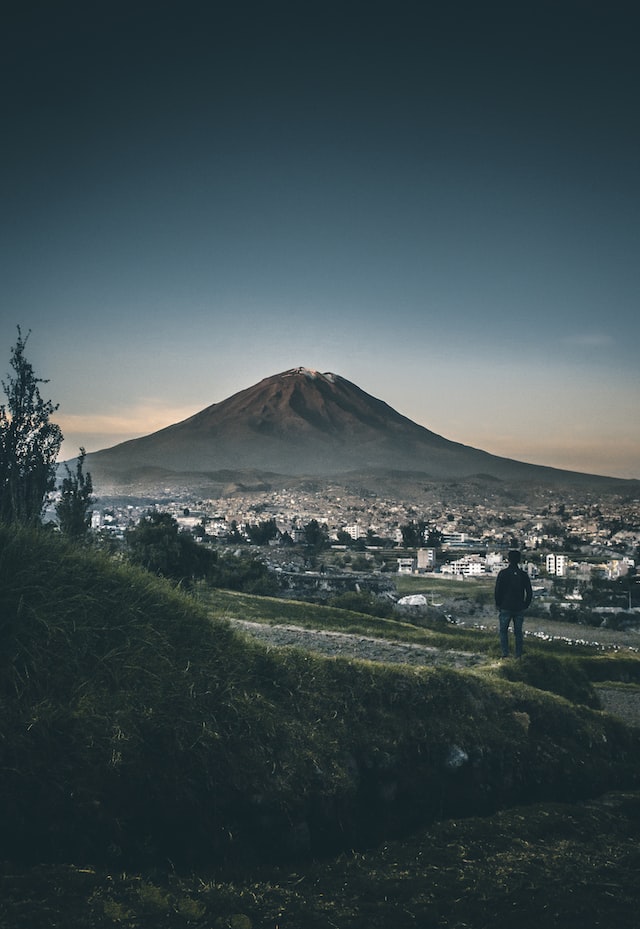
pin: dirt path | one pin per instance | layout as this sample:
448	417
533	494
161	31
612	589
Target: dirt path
369	648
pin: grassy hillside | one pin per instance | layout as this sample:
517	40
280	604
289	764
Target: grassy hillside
137	729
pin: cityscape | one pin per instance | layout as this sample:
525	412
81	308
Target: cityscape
448	530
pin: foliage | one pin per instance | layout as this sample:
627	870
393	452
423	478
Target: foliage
263	532
413	533
241	572
234	535
29	443
158	544
316	535
416	534
72	509
344	538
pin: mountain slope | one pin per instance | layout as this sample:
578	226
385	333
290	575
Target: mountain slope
301	422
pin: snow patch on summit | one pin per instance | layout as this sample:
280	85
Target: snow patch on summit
311	373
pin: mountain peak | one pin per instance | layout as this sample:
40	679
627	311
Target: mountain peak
310	373
303	422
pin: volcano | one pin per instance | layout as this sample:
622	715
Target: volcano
304	423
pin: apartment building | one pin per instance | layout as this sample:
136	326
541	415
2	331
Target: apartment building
557	564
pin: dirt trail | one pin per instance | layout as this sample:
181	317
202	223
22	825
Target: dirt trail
369	648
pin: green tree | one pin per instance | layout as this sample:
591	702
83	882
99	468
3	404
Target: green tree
29	443
413	533
343	538
242	572
233	534
263	532
158	544
72	509
434	538
316	535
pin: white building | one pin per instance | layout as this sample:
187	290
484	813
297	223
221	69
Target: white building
557	564
354	531
471	566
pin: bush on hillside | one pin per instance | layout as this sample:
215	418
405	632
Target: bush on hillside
158	544
242	572
564	677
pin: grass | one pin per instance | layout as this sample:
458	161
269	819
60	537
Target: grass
562	668
470	589
543	865
137	730
223	604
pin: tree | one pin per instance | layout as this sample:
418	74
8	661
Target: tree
413	534
72	509
262	533
316	535
434	538
234	535
29	443
343	538
158	545
242	572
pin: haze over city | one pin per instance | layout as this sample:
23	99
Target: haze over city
437	202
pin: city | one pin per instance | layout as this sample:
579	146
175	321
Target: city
570	541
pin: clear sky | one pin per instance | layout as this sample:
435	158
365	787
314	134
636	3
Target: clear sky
437	201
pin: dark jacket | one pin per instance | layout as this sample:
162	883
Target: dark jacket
513	589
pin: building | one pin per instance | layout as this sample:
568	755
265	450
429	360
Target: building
495	562
470	566
426	559
557	564
354	531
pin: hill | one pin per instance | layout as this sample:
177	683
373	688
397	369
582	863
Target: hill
303	423
139	732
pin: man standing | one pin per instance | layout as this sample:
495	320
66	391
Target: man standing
513	596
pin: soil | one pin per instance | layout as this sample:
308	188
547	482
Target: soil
367	648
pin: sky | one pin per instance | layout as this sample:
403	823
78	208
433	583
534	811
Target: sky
438	201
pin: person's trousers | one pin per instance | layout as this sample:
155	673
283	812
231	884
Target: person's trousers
504	618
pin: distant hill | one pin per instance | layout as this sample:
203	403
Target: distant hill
303	423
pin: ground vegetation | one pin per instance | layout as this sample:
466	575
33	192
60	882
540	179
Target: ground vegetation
160	767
